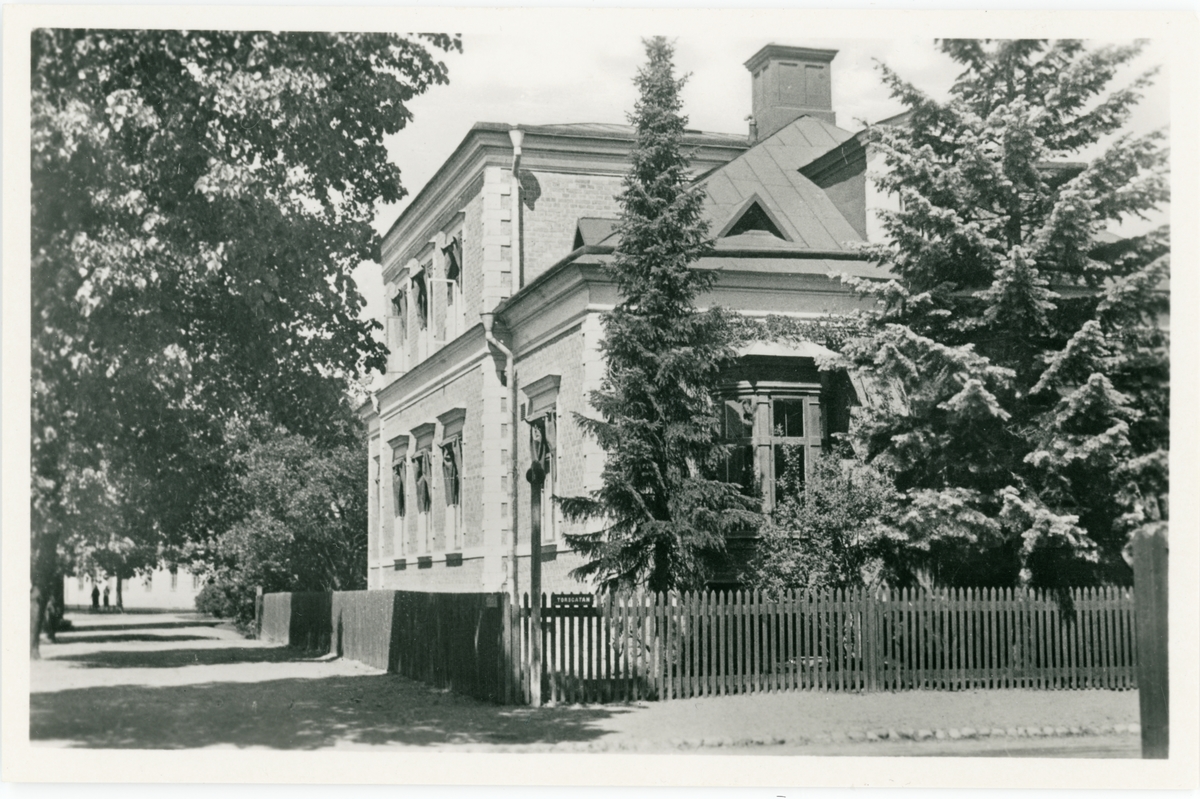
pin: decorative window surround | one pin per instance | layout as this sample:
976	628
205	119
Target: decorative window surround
542	396
541	413
399	447
452	453
422	462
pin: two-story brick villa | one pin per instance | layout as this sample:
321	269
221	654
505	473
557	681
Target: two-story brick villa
514	230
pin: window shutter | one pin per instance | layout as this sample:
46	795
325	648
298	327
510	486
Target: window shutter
551	426
422	298
453	255
450	473
421	464
399	475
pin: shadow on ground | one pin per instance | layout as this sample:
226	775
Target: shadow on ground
295	714
134	624
175	658
121	638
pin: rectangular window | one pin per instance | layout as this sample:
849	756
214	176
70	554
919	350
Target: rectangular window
421	294
454	321
174	579
451	456
543	449
795	437
789	469
789	418
452	485
422	475
399	482
541	413
737	429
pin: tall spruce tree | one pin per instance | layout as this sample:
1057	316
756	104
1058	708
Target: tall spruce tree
1025	340
665	519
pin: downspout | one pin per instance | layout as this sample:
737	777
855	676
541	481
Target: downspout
517	136
380	502
510	369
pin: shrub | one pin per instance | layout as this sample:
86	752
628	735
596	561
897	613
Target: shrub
831	530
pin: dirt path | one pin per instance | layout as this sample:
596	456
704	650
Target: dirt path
167	682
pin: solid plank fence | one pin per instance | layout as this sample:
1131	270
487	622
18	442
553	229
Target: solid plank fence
453	641
670	646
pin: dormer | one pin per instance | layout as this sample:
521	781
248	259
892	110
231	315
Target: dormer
753	217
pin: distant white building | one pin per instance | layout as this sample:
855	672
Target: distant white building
160	590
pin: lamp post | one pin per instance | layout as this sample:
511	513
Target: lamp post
537	481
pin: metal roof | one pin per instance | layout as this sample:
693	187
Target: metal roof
771	170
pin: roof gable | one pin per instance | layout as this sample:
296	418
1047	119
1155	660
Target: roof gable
753	216
592	230
769	174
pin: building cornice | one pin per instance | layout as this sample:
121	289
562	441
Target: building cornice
778	51
439	368
545	148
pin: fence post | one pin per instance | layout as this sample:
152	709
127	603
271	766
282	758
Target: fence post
1150	609
258	611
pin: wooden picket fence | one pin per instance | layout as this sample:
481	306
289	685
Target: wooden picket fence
671	646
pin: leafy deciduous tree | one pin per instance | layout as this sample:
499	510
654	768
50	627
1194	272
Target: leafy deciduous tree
199	201
301	518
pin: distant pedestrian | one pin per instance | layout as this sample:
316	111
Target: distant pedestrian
106	599
95	599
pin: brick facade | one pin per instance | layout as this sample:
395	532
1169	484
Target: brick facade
550	313
551	204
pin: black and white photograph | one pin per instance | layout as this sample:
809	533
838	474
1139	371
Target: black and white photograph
631	393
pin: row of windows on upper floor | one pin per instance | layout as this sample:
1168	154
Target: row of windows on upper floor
426	311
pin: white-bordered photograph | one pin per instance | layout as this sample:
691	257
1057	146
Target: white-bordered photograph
540	389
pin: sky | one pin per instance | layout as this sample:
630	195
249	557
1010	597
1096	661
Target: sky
531	78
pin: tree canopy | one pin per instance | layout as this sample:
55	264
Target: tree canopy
1024	342
298	518
199	201
665	518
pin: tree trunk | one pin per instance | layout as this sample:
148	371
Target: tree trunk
120	598
43	568
37	611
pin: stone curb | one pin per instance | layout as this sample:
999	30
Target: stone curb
855	736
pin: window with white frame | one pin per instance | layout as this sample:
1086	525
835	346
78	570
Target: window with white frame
452	475
541	413
452	320
422	469
398	500
420	298
397	332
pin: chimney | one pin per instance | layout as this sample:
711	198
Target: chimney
789	82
